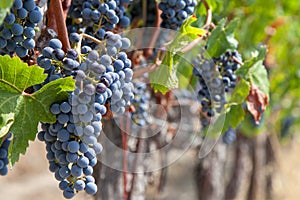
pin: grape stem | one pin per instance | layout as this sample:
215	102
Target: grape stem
143	71
192	44
84	35
208	20
149	51
57	9
235	59
124	147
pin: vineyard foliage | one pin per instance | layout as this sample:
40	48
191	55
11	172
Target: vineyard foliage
21	114
236	71
278	28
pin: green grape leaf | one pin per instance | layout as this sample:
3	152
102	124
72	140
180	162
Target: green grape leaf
165	77
4	8
233	116
222	38
28	109
6	120
185	69
255	72
187	28
186	34
259	77
256	59
240	92
3	13
6	4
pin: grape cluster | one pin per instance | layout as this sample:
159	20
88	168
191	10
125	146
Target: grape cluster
140	103
56	62
175	12
228	63
108	70
136	12
3	155
101	76
94	17
70	159
17	30
229	136
215	76
211	94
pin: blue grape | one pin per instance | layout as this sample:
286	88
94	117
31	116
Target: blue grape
29	5
55	109
79	185
229	136
105	60
88	130
65	107
4	171
73	146
124	22
63	135
29	43
72	157
10	18
3	42
22	13
91	188
4	155
63	184
69	193
55	44
35	16
18	4
21	51
74	38
63	118
76	171
6	34
90	179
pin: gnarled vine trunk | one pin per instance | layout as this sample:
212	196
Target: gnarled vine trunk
247	176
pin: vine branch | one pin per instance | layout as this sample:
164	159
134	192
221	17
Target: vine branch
208	20
141	72
154	37
124	146
56	9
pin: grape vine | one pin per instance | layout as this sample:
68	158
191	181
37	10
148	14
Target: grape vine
90	71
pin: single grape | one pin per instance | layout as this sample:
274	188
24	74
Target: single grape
73	146
91	188
35	16
79	185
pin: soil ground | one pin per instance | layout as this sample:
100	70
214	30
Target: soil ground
31	180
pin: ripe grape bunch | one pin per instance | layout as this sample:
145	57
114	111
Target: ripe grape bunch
70	159
57	63
95	17
229	136
4	154
216	77
141	104
175	12
18	29
101	76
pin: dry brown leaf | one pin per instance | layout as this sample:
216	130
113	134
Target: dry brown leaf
257	102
